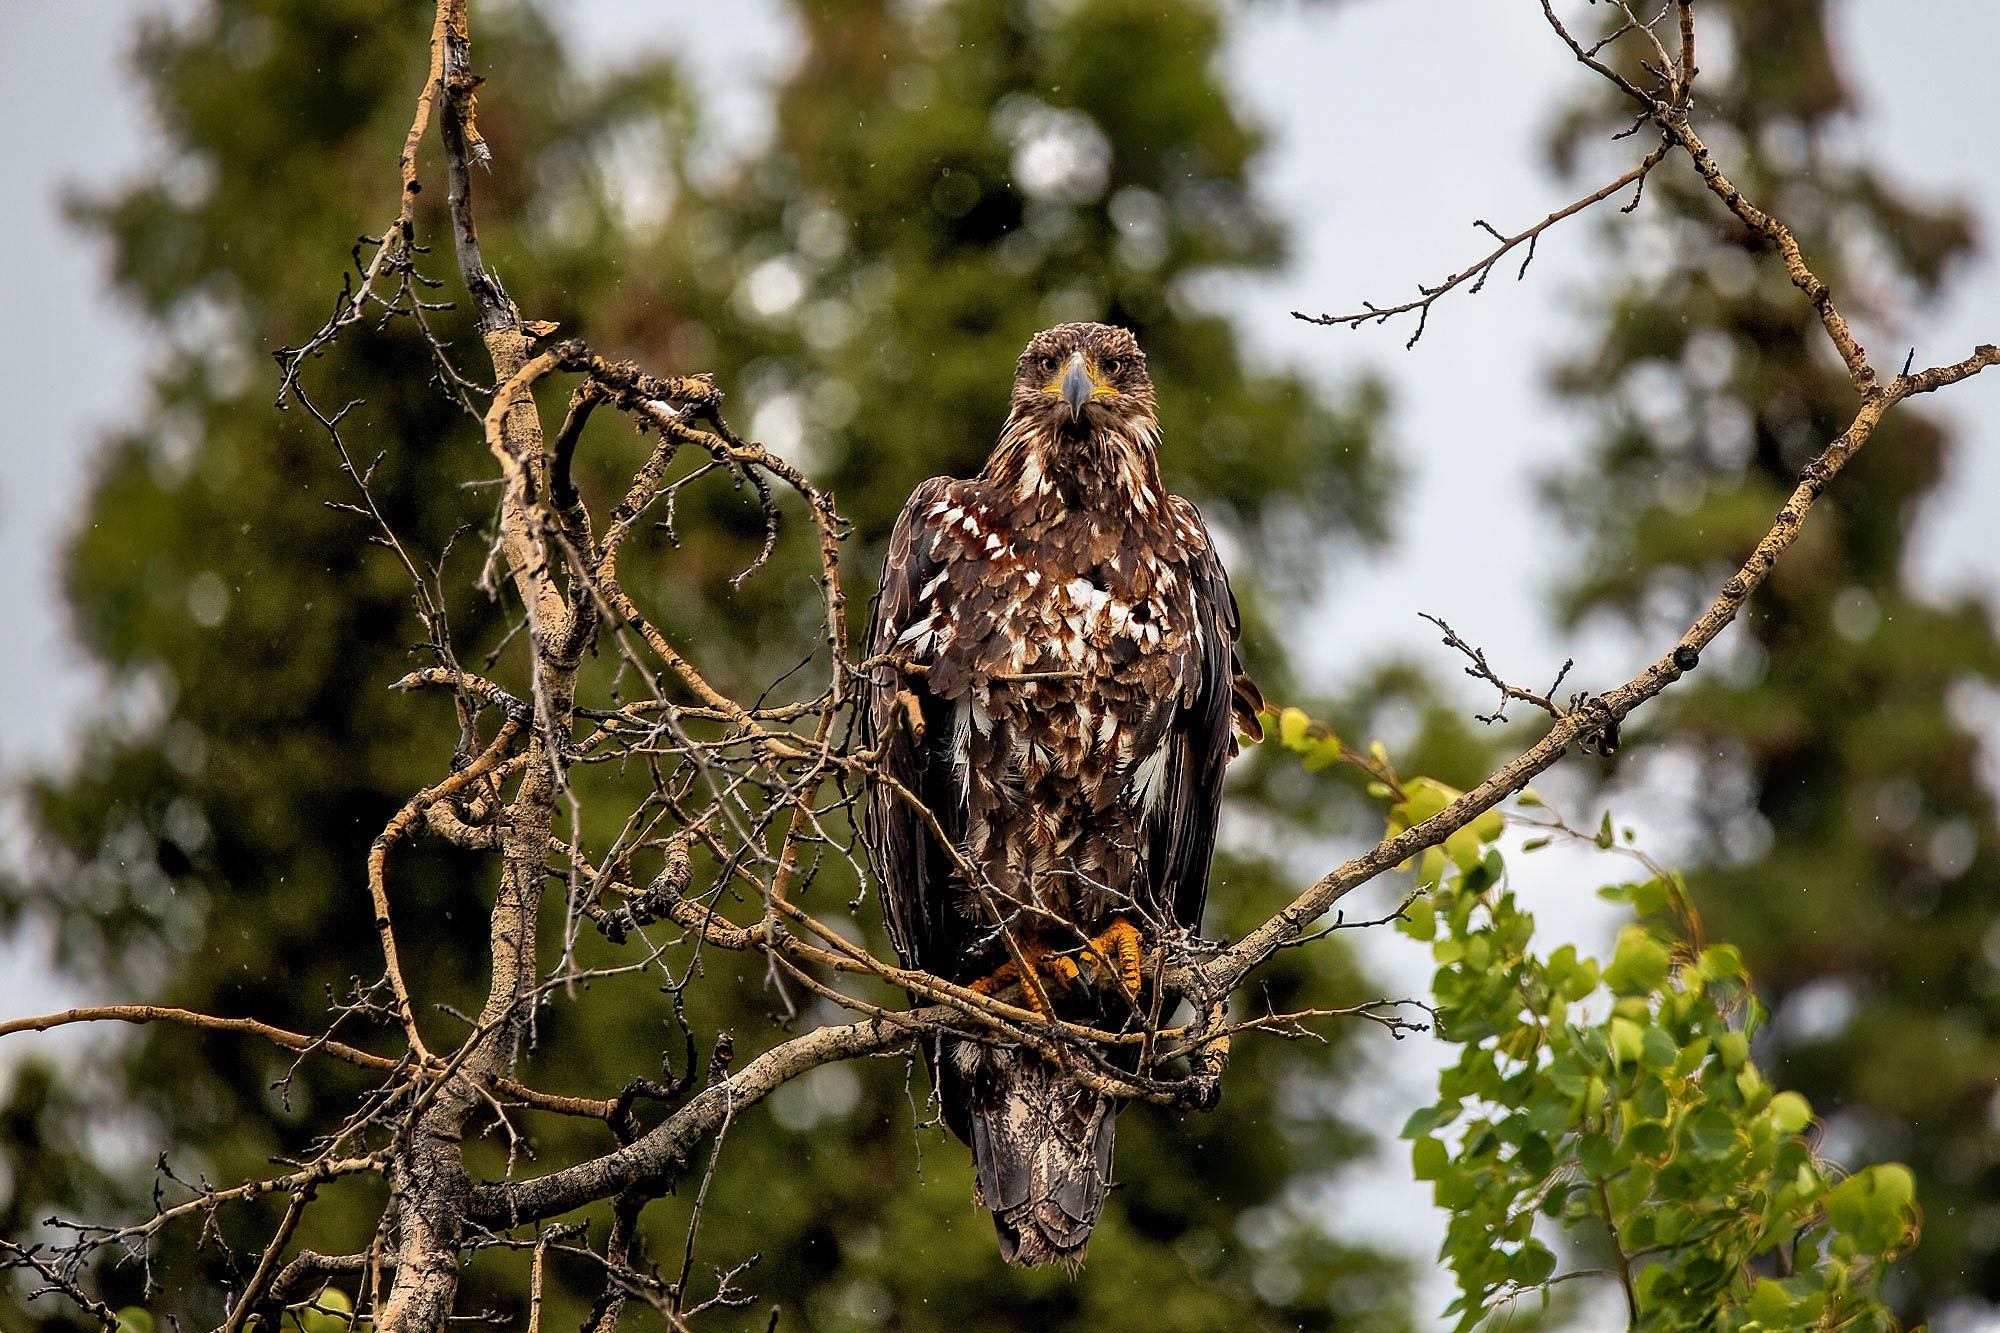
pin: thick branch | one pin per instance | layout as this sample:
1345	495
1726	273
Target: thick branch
430	1179
657	1158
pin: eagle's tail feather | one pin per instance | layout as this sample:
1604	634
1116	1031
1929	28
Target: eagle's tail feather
1042	1146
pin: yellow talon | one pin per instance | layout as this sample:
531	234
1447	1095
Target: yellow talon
1121	947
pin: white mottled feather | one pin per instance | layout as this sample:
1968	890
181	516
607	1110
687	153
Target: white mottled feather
1146	780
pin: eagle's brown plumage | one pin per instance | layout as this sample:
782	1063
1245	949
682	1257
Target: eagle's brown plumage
1061	696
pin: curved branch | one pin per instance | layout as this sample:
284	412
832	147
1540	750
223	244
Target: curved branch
659	1156
1228	970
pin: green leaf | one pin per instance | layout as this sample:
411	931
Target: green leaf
1769	1304
1895	1181
1567	1076
1423	797
1427	1118
1789	1112
1464	847
1322	754
1723	961
1532	1265
1639	965
1292	727
1658	1051
1629	1191
1734	1048
1430	867
1597	1155
1627	1040
1713	1132
1649	1138
1873	1206
1428	1158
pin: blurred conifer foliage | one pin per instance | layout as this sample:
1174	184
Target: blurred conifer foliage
942	180
1847	841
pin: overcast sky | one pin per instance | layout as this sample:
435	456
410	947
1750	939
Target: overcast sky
1394	125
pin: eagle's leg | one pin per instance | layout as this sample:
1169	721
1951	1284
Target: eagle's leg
999	979
1044	962
1121	946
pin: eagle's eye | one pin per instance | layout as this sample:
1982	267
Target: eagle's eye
1048	365
1110	365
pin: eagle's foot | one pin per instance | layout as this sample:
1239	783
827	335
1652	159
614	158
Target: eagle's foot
1047	965
996	981
1121	948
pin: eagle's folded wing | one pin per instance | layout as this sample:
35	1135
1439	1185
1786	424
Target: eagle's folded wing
1200	740
904	723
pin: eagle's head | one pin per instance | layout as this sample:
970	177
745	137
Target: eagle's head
1079	380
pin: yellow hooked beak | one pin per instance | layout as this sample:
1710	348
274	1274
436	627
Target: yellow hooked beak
1078	385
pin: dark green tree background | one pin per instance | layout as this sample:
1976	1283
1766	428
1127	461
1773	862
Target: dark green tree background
944	179
1847	841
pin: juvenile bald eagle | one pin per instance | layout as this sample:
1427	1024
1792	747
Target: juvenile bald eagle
1059	693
